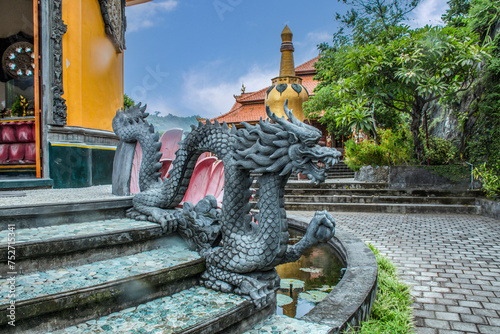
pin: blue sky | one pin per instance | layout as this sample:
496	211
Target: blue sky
189	57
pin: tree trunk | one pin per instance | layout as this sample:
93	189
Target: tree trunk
416	119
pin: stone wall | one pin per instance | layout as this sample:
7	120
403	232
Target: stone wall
489	208
404	177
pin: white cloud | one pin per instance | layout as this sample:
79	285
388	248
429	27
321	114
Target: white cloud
163	105
209	96
147	15
428	12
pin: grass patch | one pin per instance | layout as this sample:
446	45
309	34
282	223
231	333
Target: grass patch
391	311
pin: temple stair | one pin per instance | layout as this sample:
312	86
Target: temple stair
340	171
351	196
97	276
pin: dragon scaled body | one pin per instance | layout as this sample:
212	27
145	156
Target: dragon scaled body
240	253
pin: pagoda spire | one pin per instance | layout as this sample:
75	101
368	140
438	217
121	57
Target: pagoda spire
287	86
287	67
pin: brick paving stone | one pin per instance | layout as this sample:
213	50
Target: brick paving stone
423	330
464	327
435	307
474	319
452	263
467	303
485	312
448	316
488	329
459	309
492	306
438	324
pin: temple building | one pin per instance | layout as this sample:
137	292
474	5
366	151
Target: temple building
293	83
61	82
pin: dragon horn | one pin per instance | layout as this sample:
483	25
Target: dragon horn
290	115
270	114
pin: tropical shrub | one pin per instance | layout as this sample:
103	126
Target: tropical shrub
440	151
490	180
394	148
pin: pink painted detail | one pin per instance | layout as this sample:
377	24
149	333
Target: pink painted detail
216	183
167	166
170	143
8	134
4	153
136	166
199	180
219	199
203	156
30	153
16	152
24	133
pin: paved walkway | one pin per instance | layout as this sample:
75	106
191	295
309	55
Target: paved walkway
452	263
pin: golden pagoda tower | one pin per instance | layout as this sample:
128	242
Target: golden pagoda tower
287	85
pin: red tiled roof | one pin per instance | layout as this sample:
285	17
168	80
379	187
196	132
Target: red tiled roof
249	107
244	113
309	83
308	66
253	96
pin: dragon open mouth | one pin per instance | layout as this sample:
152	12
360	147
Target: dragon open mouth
312	157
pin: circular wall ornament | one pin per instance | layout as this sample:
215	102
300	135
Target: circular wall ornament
18	60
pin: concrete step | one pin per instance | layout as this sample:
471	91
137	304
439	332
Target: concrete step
348	184
382	192
379	199
284	324
50	214
383	208
49	247
62	297
194	310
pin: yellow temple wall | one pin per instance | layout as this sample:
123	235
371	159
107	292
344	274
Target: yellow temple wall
92	69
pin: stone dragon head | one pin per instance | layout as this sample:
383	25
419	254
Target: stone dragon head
131	116
280	145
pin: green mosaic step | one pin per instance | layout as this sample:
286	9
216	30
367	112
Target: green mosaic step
47	247
193	310
96	288
283	324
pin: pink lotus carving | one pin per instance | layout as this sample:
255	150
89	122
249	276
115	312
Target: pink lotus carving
16	152
8	134
4	153
169	145
199	180
30	153
136	166
207	177
24	133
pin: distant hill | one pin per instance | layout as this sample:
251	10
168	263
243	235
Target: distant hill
163	123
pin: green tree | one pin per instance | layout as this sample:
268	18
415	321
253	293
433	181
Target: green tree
404	73
374	19
127	101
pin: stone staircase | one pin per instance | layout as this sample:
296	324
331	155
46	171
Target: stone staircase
340	171
83	268
352	196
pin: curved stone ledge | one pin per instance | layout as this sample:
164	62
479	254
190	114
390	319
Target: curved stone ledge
350	301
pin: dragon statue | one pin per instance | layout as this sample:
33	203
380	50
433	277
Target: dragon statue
241	246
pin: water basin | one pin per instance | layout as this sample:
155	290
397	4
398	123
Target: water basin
306	282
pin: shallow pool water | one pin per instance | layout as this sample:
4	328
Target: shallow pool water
306	282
